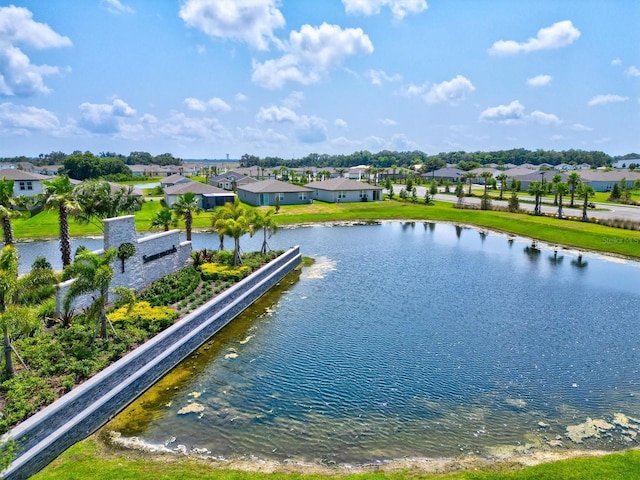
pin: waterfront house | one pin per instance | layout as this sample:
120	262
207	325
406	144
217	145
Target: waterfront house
337	190
24	183
208	196
274	192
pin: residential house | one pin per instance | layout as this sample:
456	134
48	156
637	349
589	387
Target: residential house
337	190
208	196
274	192
603	181
172	180
448	174
542	176
24	183
230	180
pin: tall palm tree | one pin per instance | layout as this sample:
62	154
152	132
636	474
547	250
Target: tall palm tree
487	176
163	219
470	177
235	222
265	221
13	318
557	178
560	189
537	189
58	193
219	213
502	178
586	191
186	207
92	273
7	210
573	181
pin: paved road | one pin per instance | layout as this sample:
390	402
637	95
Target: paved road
602	210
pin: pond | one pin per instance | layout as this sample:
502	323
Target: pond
411	340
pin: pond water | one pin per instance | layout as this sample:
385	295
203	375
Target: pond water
409	340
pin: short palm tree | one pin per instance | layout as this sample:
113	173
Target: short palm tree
537	189
219	213
186	207
235	222
7	210
92	273
265	221
586	191
573	181
58	193
163	219
560	189
502	178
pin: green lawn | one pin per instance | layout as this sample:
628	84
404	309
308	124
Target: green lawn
89	459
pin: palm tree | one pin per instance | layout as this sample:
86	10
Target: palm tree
586	191
502	178
470	177
92	272
7	210
557	178
536	189
573	181
186	207
13	318
487	176
235	222
163	219
58	193
265	221
560	189
219	214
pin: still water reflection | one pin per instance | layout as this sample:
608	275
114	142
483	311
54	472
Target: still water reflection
411	340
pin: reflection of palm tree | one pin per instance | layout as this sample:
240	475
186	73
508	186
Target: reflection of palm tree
458	231
578	262
555	259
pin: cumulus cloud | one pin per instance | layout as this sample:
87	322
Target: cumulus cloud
308	129
215	104
189	129
540	81
578	127
258	136
632	71
116	6
310	53
104	117
604	99
250	21
378	77
544	118
23	118
504	113
452	91
340	123
18	76
399	8
387	122
616	62
558	35
276	114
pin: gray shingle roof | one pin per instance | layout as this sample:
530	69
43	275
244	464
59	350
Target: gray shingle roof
272	186
194	187
342	184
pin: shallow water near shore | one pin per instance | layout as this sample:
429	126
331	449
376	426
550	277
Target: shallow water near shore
410	340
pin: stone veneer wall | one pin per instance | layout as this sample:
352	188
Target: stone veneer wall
76	415
138	273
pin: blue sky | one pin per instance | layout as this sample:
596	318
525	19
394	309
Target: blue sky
207	78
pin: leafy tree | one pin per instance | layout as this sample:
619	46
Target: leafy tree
83	166
265	221
7	210
414	194
92	273
586	191
514	202
615	193
388	185
186	207
99	199
573	181
58	193
433	188
163	219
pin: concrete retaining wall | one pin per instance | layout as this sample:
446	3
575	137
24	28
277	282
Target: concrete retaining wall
44	436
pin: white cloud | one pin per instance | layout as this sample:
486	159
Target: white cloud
378	77
540	81
240	97
277	114
560	34
578	127
604	99
293	100
340	123
452	91
250	21
184	128
103	117
18	76
215	104
412	90
504	113
399	8
616	62
310	53
311	129
544	118
116	6
19	117
401	143
388	122
632	71
258	136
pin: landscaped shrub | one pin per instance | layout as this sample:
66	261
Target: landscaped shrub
214	271
152	319
25	394
172	288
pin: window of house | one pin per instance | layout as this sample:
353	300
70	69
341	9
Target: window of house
342	194
302	195
280	196
25	185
